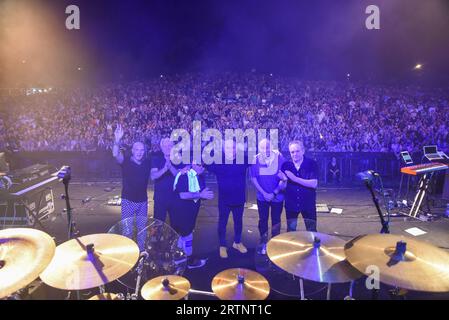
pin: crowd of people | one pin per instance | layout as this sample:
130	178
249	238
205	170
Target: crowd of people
327	116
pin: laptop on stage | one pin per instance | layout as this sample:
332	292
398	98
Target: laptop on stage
431	153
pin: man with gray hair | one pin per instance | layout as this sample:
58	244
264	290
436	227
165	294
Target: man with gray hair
163	173
300	193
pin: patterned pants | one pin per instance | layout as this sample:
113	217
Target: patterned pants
136	215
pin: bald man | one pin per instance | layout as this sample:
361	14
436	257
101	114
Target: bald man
135	177
270	183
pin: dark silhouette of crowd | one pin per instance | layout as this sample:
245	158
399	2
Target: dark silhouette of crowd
327	116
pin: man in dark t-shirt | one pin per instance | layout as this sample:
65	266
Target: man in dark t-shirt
189	188
300	193
231	180
163	173
135	176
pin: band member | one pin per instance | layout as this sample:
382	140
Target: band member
163	173
135	177
300	193
189	187
231	179
270	183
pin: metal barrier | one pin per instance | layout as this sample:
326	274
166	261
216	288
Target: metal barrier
99	165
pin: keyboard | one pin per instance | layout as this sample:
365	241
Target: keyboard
424	168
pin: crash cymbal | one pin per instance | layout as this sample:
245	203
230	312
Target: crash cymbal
166	288
24	253
107	296
402	261
240	284
313	256
90	261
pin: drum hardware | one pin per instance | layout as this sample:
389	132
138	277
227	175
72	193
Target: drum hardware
143	257
240	284
24	249
108	296
402	262
90	261
312	256
166	288
203	293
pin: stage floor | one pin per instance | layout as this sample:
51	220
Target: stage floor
358	217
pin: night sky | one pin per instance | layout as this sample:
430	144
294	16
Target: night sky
128	40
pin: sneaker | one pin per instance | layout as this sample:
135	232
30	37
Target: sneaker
239	247
262	249
193	263
223	252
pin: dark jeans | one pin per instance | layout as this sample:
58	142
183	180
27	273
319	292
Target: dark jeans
309	216
161	208
264	214
223	216
183	217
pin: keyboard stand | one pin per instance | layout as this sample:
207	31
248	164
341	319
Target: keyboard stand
423	186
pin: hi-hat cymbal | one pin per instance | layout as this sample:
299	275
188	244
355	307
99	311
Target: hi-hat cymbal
90	261
107	296
166	288
240	284
402	261
24	253
313	256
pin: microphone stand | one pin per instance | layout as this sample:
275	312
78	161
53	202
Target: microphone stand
385	226
65	175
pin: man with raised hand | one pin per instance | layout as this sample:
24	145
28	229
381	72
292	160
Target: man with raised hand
135	176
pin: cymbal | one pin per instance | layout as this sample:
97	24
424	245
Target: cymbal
313	256
90	261
166	288
402	261
24	253
240	284
107	296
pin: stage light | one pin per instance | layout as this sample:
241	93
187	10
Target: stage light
348	75
24	61
161	75
418	66
79	68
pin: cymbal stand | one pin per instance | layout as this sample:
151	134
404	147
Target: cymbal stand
351	290
203	293
329	288
143	257
301	288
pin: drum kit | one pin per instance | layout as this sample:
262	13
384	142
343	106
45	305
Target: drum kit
93	261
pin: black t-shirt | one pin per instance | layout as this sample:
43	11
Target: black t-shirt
135	180
298	197
183	186
231	179
163	186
